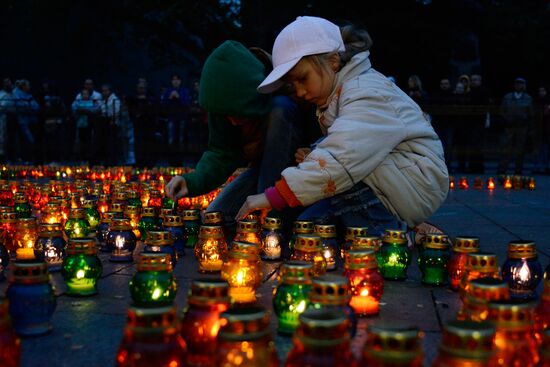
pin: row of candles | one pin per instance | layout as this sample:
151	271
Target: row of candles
507	182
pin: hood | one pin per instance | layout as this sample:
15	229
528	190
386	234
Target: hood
229	80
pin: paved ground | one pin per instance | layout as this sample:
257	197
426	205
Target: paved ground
87	331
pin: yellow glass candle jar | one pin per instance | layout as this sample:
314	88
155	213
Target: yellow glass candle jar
243	272
248	231
210	249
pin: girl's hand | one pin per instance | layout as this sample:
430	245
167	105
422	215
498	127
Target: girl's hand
253	203
301	154
176	188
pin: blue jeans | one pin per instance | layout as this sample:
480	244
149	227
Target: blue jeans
357	207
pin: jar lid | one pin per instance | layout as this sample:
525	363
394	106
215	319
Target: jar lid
322	328
366	243
47	230
106	217
85	246
212	217
360	259
436	241
5	209
272	223
522	250
213	232
159	238
19	198
397	344
325	230
132	210
482	262
296	272
121	196
466	244
191	214
104	198
489	289
330	290
172	221
77	213
148	211
302	227
117	207
120	224
165	211
159	320
89	203
208	291
8	217
33	272
395	236
352	232
512	314
244	324
248	226
154	262
245	248
26	223
133	194
468	340
308	243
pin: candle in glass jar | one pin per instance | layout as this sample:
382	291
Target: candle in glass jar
364	303
272	247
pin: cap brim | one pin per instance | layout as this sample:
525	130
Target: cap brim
273	81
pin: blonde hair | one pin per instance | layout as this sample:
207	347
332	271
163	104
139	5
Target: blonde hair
416	81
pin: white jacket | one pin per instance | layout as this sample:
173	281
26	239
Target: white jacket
376	134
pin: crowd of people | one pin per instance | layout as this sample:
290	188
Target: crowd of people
100	127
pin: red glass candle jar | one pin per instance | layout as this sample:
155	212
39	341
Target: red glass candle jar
456	266
542	312
475	306
545	350
7	229
10	349
393	346
478	265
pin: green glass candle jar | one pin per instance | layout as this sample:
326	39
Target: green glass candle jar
22	206
308	248
291	295
272	239
192	222
331	252
77	226
153	285
148	222
393	257
433	259
81	268
92	214
351	234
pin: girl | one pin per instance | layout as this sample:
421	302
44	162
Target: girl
380	160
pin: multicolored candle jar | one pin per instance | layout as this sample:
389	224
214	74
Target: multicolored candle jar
200	324
81	268
463	245
330	244
103	230
366	243
151	338
393	346
300	227
322	339
245	339
161	242
191	219
50	246
174	225
272	239
466	344
22	206
522	269
153	285
332	293
147	222
308	248
243	271
25	237
515	342
367	285
31	296
351	234
248	231
92	214
433	259
210	249
10	345
478	265
77	226
290	298
394	256
475	306
121	239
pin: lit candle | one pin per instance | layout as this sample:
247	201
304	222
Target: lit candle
24	253
364	304
272	248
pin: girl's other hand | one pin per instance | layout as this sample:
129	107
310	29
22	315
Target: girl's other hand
301	154
253	203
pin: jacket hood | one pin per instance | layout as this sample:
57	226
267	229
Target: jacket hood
228	83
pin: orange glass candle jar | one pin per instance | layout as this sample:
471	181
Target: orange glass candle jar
393	346
456	266
322	339
515	342
245	339
210	249
248	231
308	248
351	234
475	306
51	214
200	324
10	345
465	344
367	285
26	234
478	265
243	271
133	213
7	230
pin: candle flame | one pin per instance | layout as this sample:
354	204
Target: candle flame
301	306
524	274
364	292
119	242
240	277
327	254
156	293
80	274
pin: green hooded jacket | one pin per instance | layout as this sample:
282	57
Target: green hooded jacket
228	85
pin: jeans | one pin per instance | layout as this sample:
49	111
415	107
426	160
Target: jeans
357	207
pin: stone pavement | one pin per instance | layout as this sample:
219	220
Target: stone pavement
87	331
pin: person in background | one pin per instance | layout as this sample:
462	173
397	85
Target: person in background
110	149
94	126
6	109
26	109
465	81
542	130
416	92
517	112
84	110
176	100
53	118
479	102
142	107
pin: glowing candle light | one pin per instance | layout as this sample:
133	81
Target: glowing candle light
522	269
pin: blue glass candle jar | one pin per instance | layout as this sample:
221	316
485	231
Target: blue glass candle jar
31	296
121	240
331	252
81	268
50	246
433	259
174	225
394	256
103	229
522	269
272	239
191	219
161	242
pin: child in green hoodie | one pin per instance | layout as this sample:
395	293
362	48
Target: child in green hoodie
246	129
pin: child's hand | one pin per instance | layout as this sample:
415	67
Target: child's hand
301	154
253	203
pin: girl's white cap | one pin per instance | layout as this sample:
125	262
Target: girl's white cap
305	36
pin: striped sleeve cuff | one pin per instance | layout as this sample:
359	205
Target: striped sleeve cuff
286	193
